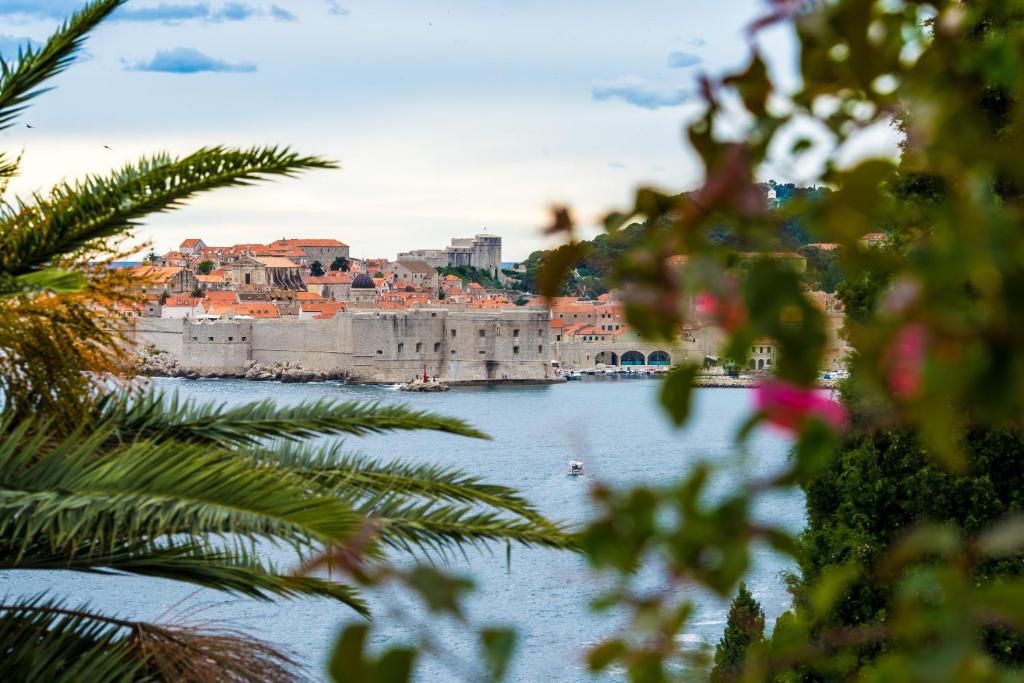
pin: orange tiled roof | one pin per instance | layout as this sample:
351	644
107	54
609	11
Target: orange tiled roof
305	242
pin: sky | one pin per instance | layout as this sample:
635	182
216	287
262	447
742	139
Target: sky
447	118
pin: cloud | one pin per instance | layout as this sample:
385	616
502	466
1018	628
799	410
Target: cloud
639	93
164	12
185	60
334	7
682	60
282	14
9	45
44	9
616	165
697	42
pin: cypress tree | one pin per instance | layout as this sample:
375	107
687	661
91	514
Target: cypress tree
744	628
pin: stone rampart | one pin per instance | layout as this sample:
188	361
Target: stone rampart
370	346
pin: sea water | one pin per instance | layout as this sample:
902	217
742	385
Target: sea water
614	425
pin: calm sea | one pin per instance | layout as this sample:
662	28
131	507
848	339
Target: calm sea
615	426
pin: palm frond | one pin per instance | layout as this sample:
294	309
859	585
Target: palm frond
360	479
229	568
428	528
155	415
23	78
74	216
143	491
44	640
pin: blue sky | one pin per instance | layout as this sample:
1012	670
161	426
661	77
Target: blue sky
447	118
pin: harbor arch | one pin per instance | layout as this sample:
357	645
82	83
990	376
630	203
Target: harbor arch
632	358
607	358
659	358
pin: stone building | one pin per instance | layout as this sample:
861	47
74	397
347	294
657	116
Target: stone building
263	273
363	290
416	273
482	252
159	280
322	250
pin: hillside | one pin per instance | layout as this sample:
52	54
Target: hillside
593	274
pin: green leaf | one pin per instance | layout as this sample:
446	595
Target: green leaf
499	645
604	655
557	265
677	392
395	666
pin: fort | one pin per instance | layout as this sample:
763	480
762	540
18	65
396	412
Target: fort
386	346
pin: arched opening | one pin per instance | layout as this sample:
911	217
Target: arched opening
632	358
753	365
607	358
659	358
760	363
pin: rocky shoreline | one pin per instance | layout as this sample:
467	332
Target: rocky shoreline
162	364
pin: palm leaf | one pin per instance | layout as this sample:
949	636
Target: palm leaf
359	478
22	79
34	234
229	568
154	415
143	491
44	640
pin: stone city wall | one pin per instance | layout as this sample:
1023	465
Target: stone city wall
370	346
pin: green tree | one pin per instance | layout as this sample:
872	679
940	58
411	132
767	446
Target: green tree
744	627
316	269
205	267
152	257
111	478
340	263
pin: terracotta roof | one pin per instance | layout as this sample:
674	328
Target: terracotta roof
304	242
475	285
308	296
322	308
557	323
824	246
155	274
211	278
451	278
277	262
222	297
263	310
191	242
182	301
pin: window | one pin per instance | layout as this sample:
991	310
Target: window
248	278
515	332
481	351
401	346
558	337
195	338
515	349
540	349
437	346
231	339
211	338
453	334
483	333
243	338
379	352
433	315
453	352
419	346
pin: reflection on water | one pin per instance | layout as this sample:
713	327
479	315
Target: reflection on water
615	427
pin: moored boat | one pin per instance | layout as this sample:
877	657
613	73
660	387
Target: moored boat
575	468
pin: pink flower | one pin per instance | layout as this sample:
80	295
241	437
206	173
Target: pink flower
728	312
791	408
903	361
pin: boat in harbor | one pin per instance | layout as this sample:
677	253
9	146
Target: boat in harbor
575	468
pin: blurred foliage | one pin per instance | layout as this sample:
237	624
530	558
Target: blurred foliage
910	566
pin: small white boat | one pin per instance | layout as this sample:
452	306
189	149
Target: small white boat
575	468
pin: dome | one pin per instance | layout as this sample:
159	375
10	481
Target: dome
363	281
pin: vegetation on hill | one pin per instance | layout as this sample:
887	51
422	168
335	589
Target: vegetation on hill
594	272
469	274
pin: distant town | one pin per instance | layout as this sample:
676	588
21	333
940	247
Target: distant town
453	313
